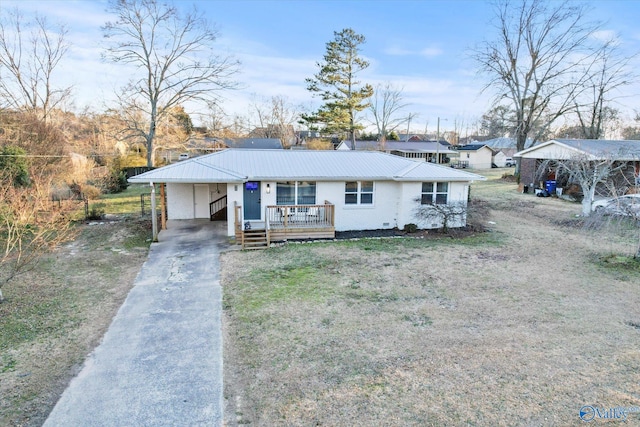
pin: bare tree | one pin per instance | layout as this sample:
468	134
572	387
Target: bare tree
30	225
610	72
618	214
497	122
447	215
590	172
385	107
632	130
216	121
29	55
275	119
536	63
172	54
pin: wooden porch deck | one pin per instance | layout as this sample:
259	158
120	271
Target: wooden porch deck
285	222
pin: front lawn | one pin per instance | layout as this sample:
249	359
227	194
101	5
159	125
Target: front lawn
521	325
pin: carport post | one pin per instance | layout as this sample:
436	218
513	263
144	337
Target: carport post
154	216
163	208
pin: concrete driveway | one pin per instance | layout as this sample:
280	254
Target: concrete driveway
160	362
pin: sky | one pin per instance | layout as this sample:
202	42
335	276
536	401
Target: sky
421	47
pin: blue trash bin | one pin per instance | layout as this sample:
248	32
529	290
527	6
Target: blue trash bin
550	186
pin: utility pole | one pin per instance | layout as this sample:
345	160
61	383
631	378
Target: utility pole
438	142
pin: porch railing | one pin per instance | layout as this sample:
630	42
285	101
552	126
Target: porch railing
283	222
217	205
300	216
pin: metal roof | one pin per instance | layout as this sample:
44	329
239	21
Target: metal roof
402	146
472	147
240	165
595	148
502	143
254	143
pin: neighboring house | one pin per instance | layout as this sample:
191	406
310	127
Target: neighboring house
414	150
475	156
568	149
499	159
504	144
254	143
306	193
198	146
284	133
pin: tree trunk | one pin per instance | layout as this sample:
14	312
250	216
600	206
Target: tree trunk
587	200
150	137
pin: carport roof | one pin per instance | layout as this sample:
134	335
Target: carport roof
235	165
595	149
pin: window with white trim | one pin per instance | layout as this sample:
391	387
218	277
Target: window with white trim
435	193
296	193
358	193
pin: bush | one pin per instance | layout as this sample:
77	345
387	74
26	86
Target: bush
116	180
410	228
508	177
319	144
91	192
96	212
13	166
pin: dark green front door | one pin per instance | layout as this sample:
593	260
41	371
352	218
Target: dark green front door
252	200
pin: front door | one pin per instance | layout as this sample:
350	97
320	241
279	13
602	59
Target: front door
252	200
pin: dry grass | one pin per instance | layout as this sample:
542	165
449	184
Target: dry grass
521	325
55	315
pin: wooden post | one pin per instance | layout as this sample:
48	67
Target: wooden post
163	208
154	214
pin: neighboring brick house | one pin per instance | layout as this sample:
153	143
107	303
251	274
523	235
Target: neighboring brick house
622	151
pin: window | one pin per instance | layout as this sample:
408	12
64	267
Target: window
306	193
286	193
296	193
435	193
358	193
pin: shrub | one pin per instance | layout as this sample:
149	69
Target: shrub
410	228
13	166
96	212
508	177
319	144
115	181
91	192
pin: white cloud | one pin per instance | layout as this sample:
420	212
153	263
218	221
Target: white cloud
397	51
605	36
429	51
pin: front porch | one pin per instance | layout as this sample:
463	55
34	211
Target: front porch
283	222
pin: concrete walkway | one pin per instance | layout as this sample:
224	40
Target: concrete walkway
160	362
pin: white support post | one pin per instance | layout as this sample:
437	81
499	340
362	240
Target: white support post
154	217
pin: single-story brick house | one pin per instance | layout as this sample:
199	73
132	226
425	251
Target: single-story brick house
306	193
622	151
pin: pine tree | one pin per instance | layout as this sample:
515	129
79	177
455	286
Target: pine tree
337	85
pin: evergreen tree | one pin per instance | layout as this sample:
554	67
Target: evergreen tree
337	85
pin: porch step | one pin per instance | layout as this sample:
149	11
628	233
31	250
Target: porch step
254	239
